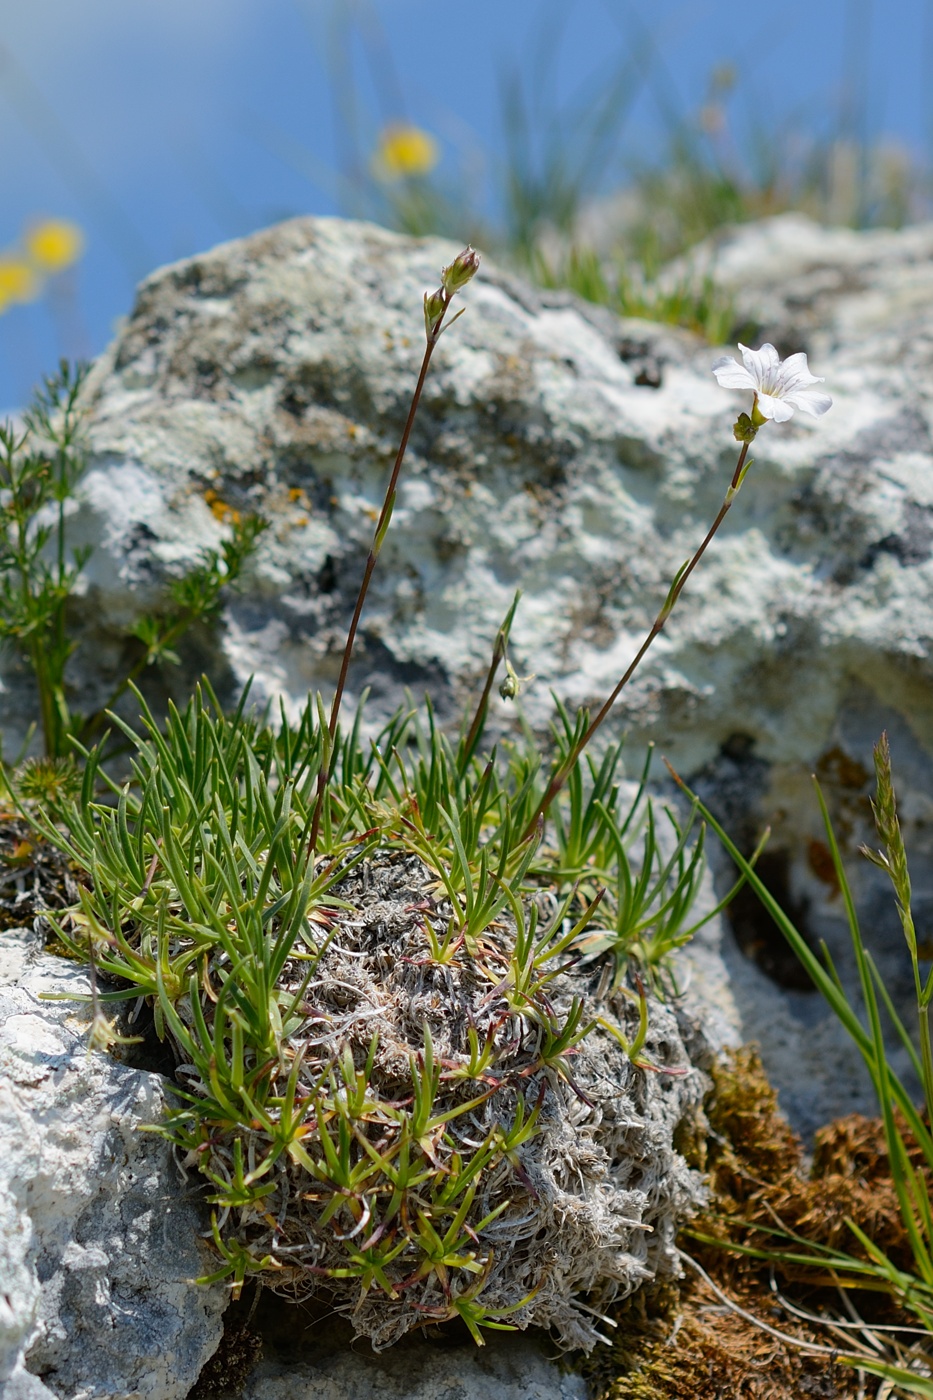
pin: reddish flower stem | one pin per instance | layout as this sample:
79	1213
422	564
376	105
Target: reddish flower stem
327	762
565	769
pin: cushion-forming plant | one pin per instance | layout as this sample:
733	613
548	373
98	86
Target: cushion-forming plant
416	995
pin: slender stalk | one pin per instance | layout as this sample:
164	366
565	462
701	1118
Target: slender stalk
479	719
433	332
564	770
61	646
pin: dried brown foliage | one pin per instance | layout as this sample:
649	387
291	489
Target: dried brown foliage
688	1342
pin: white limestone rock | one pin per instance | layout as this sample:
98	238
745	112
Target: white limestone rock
274	373
100	1245
828	290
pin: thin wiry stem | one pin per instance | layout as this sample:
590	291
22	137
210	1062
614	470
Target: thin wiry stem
814	1347
499	652
567	767
327	761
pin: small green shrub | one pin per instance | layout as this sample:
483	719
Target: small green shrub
369	1034
41	465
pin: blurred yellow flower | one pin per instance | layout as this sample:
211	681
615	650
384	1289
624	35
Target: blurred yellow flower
18	280
405	150
54	244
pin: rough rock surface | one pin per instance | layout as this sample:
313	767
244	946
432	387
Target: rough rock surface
275	373
508	1368
98	1242
863	295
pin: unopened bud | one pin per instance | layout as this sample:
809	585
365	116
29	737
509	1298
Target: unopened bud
511	687
435	304
460	271
745	430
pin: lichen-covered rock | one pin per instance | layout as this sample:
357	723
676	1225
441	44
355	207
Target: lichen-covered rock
862	295
274	373
577	457
99	1242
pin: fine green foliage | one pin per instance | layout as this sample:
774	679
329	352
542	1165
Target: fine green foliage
205	899
906	1127
40	467
632	288
221	805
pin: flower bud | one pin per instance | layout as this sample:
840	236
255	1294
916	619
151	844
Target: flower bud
460	271
745	430
435	304
511	687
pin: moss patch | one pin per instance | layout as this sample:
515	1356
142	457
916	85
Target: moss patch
688	1342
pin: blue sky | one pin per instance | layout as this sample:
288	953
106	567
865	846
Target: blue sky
165	126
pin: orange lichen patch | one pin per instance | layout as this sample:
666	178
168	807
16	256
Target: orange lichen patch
220	509
709	1338
845	783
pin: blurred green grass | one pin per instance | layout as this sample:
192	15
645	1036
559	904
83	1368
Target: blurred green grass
576	204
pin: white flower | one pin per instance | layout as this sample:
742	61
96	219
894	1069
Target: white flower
779	385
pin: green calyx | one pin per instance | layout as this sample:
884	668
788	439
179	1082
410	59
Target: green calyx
746	428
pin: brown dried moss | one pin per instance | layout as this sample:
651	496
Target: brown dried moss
686	1342
34	875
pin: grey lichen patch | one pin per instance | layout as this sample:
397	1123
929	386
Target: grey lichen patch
546	1228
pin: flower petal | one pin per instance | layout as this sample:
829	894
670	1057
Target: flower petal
771	407
812	401
763	365
795	374
731	374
